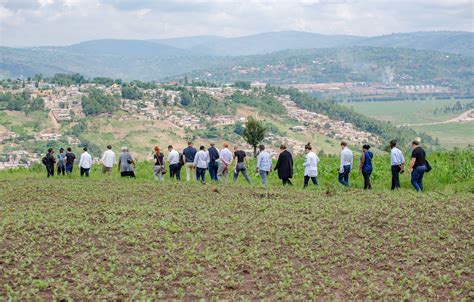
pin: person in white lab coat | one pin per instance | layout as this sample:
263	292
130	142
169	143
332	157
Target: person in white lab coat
310	166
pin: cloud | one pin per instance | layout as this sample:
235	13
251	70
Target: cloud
62	22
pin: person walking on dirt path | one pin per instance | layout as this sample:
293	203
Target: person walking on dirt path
213	161
240	165
310	166
264	164
397	162
174	163
284	166
108	160
201	162
418	166
225	159
85	163
159	168
61	162
189	153
366	166
126	163
49	162
70	158
345	168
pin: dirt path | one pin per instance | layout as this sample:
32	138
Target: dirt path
465	117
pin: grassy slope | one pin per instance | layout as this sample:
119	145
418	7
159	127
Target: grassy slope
417	112
406	112
101	239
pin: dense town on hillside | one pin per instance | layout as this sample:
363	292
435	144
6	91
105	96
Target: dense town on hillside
64	104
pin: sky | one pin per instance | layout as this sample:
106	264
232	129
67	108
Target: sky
65	22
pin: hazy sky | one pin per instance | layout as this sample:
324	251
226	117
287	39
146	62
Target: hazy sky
62	22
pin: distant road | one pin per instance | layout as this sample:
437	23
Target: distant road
465	117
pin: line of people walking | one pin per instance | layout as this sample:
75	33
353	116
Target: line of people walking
221	163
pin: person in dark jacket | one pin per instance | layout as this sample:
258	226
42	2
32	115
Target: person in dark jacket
284	166
49	162
61	162
213	163
366	166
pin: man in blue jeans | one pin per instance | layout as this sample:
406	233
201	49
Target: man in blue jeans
417	166
345	168
213	164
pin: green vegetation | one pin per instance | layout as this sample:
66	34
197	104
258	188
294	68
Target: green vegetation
426	116
353	64
203	104
20	102
99	102
67	79
254	132
112	239
410	111
265	102
335	111
131	92
455	108
451	135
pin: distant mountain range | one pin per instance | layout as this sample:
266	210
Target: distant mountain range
164	58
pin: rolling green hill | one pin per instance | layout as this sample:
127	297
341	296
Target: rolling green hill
214	56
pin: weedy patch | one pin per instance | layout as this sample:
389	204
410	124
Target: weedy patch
112	240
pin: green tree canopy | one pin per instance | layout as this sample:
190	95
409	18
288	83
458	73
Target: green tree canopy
254	132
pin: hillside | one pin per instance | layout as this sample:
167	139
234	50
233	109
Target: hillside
444	41
160	59
355	64
270	42
70	110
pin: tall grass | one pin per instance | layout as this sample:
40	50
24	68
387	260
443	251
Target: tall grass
452	171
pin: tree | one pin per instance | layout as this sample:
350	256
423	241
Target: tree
254	132
186	98
99	102
131	92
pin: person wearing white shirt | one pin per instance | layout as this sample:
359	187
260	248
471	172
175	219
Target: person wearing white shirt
225	159
201	161
175	165
310	166
85	163
264	164
397	162
345	168
108	160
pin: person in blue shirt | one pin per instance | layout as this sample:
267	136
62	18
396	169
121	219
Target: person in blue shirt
366	166
189	153
264	164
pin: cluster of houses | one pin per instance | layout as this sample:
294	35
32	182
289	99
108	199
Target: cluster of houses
18	159
315	122
64	104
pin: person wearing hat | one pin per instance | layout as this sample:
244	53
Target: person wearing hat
366	166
